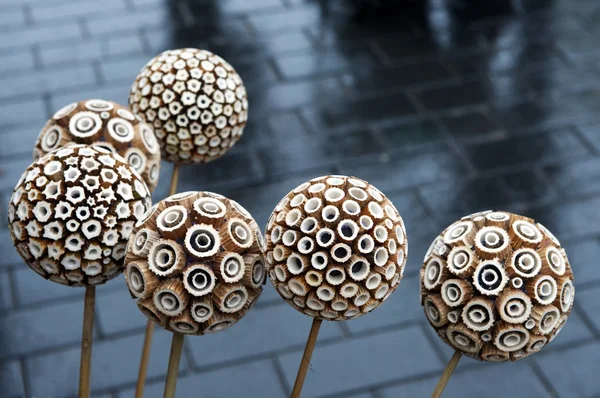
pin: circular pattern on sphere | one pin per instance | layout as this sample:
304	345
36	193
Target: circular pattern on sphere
195	263
497	286
196	102
336	248
108	125
72	212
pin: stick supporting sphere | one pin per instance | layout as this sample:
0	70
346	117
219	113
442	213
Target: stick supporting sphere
439	389
86	342
336	250
173	370
308	350
146	348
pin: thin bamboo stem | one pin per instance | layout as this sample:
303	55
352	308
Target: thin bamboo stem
139	388
174	179
173	370
86	342
308	350
439	389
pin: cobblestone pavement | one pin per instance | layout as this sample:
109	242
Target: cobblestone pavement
448	109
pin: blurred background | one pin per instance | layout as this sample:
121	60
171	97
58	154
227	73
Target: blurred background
448	106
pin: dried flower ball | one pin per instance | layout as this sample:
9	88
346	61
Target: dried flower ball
497	286
72	211
336	248
195	263
106	124
196	102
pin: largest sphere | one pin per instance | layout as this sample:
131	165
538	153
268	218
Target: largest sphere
72	212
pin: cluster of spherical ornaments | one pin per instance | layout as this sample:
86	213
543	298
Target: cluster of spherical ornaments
108	125
195	263
497	286
196	102
336	248
72	211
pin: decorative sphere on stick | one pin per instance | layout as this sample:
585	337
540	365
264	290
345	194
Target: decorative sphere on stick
497	286
196	102
106	124
336	248
195	263
72	211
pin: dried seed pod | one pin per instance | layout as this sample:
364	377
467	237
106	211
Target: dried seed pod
502	278
109	126
336	247
198	257
196	102
74	231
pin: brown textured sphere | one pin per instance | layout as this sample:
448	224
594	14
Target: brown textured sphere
196	102
106	124
336	248
497	286
72	211
195	263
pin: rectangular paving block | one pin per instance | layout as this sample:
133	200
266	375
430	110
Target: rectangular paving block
572	372
10	257
32	289
537	148
250	379
320	152
579	253
27	331
39	34
283	20
6	299
575	178
115	363
117	312
405	170
19	139
18	61
482	380
412	134
43	12
261	331
18	111
587	301
362	362
117	93
71	52
301	65
11	379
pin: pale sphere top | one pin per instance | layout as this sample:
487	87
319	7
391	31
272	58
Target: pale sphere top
196	102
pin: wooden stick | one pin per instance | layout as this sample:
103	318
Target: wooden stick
439	389
86	342
139	387
174	179
141	381
173	370
308	350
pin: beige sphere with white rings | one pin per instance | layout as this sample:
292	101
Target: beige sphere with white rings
196	102
108	125
497	286
336	248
